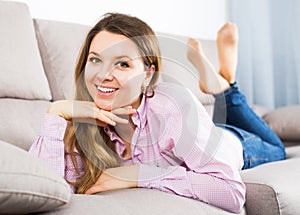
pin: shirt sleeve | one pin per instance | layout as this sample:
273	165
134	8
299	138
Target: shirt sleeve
212	187
49	147
194	141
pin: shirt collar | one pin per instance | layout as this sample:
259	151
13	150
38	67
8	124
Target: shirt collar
139	118
119	144
112	135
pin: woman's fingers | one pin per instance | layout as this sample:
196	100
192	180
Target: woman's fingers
124	111
109	117
88	112
104	116
113	115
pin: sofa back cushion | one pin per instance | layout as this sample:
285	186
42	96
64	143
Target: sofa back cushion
21	74
21	120
176	67
285	122
59	45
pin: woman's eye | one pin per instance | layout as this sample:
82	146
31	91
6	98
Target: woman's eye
94	60
122	64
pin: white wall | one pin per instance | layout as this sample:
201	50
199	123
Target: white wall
197	18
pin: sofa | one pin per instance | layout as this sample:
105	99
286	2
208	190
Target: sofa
37	60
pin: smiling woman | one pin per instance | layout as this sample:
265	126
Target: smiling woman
129	131
115	71
119	62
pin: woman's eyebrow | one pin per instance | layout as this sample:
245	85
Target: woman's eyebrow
123	56
94	53
117	57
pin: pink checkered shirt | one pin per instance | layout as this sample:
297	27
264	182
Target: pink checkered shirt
176	144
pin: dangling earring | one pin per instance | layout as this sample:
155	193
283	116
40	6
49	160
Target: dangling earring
147	89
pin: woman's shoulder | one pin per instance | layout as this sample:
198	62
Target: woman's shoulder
171	96
169	87
174	92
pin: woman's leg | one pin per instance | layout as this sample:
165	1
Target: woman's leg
238	112
260	143
210	81
227	43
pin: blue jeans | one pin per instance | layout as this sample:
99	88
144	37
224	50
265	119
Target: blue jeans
260	143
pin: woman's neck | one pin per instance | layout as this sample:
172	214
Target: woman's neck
125	131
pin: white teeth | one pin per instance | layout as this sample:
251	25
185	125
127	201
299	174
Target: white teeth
105	89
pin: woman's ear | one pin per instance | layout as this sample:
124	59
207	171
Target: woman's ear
150	71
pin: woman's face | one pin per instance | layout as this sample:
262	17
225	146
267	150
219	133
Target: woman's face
114	71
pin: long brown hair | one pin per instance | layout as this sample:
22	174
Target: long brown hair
94	146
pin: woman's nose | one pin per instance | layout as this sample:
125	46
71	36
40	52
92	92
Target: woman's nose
105	73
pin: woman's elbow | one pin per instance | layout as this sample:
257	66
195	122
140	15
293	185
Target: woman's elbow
237	199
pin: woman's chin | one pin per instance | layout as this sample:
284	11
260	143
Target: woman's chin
117	103
107	107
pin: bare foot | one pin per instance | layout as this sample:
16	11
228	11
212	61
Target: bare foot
210	81
227	43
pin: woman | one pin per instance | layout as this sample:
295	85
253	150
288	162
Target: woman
129	131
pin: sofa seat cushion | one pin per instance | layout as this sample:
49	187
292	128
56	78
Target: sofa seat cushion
274	188
136	201
26	185
21	74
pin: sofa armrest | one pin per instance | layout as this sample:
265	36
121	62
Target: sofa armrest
273	188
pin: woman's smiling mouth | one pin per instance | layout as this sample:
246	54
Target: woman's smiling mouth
107	91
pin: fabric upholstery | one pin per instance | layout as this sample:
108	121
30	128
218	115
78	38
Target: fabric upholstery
177	69
21	120
27	185
285	121
272	187
59	45
260	110
21	74
261	199
136	201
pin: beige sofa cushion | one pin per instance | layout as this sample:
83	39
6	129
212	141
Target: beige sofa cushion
177	69
59	44
26	185
137	201
285	122
273	188
21	74
21	120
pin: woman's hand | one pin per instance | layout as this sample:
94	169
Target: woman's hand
88	112
116	178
